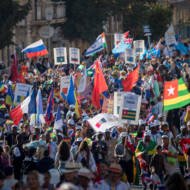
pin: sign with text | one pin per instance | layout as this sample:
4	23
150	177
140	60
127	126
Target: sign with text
64	85
60	55
139	47
74	55
130	107
21	92
130	56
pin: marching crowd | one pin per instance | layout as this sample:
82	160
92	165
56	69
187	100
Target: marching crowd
154	153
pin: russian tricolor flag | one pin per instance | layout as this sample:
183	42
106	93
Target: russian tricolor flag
36	49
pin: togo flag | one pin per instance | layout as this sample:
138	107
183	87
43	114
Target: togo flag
176	94
97	46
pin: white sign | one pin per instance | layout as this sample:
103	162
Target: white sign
104	121
117	38
60	55
117	102
139	47
74	55
64	85
130	107
21	91
130	56
170	36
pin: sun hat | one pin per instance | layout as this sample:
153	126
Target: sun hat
115	168
84	172
70	167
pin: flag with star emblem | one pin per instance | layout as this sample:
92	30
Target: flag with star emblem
176	94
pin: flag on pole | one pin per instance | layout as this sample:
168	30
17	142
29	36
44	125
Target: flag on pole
131	79
49	109
10	96
97	46
35	49
100	85
82	82
176	94
58	124
39	109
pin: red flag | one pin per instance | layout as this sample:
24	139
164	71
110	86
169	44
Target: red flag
99	85
131	79
14	72
126	34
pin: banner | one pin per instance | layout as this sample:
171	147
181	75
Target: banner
104	121
21	92
60	55
130	107
130	56
117	38
64	85
139	47
108	105
170	36
74	55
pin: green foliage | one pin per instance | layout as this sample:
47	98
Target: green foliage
10	14
150	13
85	18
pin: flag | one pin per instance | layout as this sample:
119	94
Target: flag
10	96
58	123
32	104
122	46
71	92
17	113
99	85
131	79
71	96
39	109
14	71
97	46
176	94
49	109
82	82
35	49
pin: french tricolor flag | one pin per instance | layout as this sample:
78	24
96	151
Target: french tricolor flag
17	113
35	49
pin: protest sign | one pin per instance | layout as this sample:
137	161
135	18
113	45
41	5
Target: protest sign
64	85
139	47
108	105
60	55
104	121
21	92
130	56
170	38
130	107
117	38
74	55
117	102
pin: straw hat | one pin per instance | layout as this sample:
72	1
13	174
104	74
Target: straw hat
115	168
84	172
70	167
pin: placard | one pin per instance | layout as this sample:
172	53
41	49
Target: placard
130	107
74	55
21	92
117	102
64	85
60	55
170	38
117	38
130	56
108	105
139	47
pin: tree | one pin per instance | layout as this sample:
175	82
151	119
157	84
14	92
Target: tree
11	12
85	18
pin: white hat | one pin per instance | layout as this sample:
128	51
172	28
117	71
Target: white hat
188	123
70	167
84	172
142	122
71	122
123	134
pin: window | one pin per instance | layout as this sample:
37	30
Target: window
60	11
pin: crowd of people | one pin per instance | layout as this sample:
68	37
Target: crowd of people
74	156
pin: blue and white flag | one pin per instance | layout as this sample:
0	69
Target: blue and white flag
58	124
39	109
97	46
